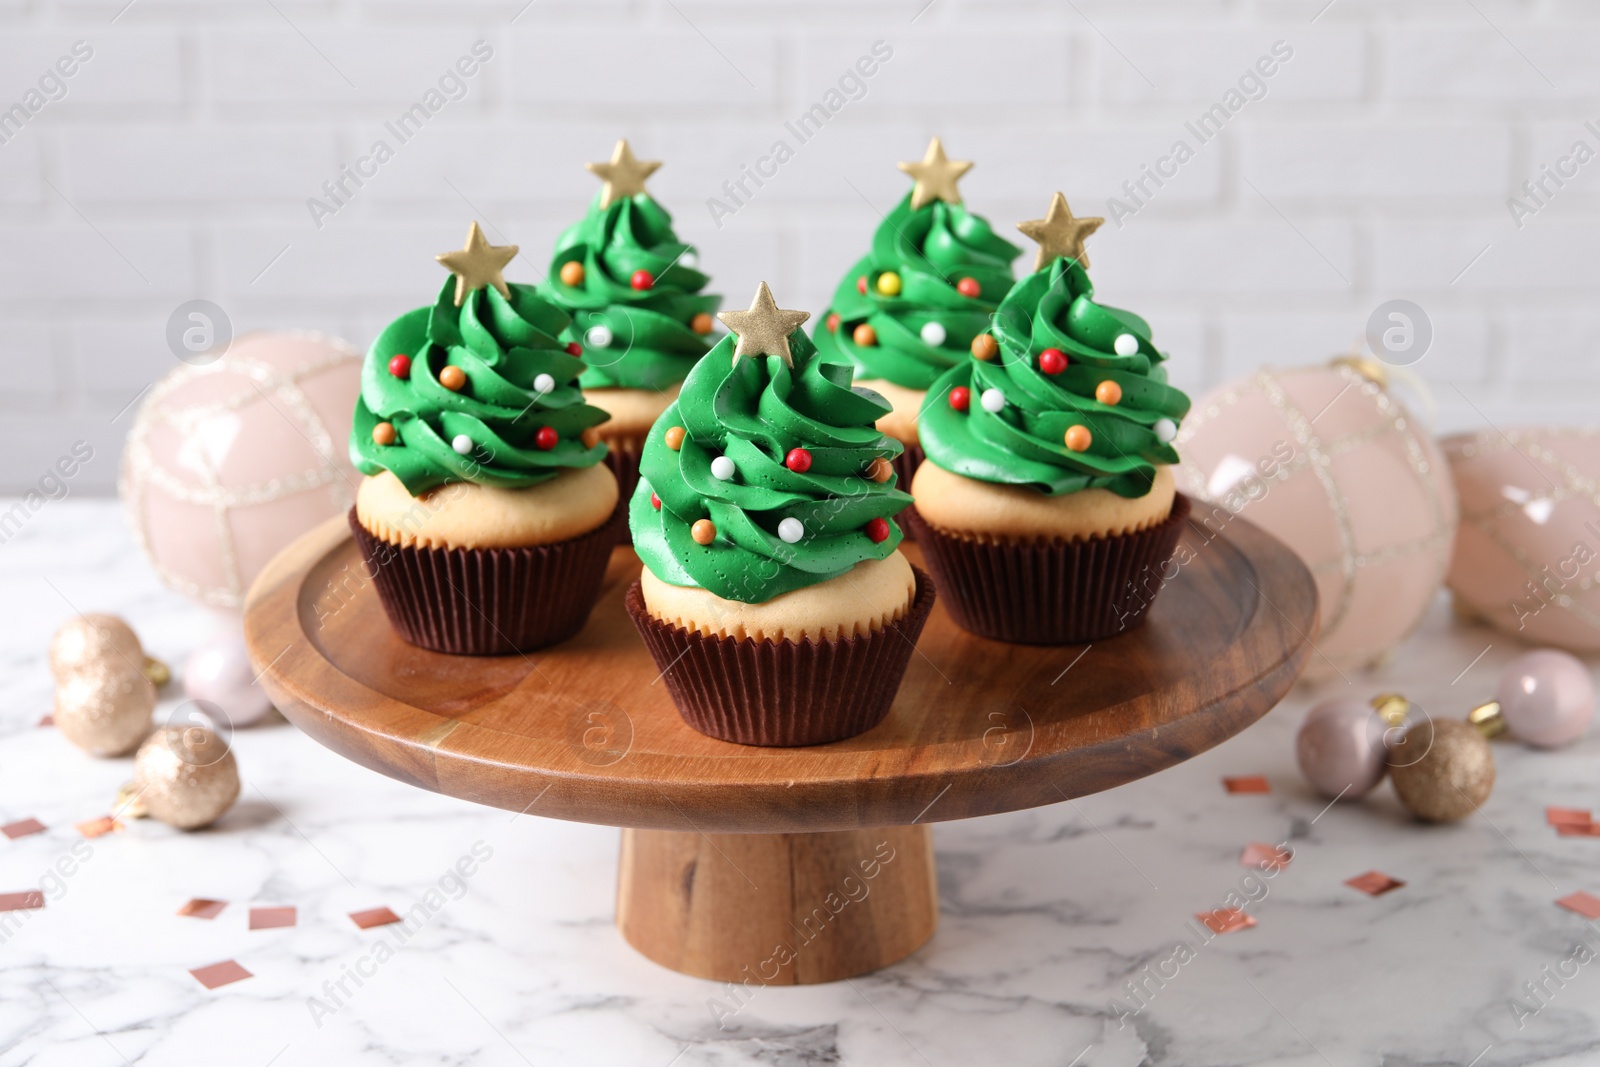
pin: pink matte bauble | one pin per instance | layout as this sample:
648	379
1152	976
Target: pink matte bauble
1546	698
219	672
1527	556
1335	467
1341	748
229	461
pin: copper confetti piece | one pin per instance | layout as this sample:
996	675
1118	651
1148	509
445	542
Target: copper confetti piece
1559	817
373	917
1265	857
105	824
1588	829
48	720
271	918
1226	920
220	974
1374	883
1254	783
25	901
1585	904
201	908
22	828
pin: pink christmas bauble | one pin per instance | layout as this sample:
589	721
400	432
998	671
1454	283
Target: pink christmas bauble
1527	556
1341	748
1326	460
230	461
1546	698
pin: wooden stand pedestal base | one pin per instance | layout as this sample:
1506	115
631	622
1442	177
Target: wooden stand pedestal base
778	909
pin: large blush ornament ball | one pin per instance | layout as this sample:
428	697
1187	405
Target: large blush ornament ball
1546	698
1326	460
1527	556
219	673
1341	749
229	461
104	708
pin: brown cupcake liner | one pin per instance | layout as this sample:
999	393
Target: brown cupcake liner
905	466
783	693
1051	592
624	463
487	601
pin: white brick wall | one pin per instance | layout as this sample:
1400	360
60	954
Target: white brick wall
1377	165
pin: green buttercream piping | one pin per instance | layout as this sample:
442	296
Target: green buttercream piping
932	248
754	411
1023	444
502	345
653	346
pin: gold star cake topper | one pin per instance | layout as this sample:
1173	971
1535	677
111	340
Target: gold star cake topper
1059	233
478	264
763	330
623	176
936	176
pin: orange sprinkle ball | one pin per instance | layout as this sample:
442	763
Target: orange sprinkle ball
590	437
1108	393
704	531
572	272
453	378
383	433
985	347
1079	438
879	470
701	323
674	437
864	335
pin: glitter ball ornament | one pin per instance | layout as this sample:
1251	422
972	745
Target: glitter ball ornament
1443	769
104	707
1326	460
85	640
933	333
228	462
218	674
1527	554
185	776
598	337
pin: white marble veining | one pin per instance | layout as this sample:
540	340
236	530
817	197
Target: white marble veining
1046	914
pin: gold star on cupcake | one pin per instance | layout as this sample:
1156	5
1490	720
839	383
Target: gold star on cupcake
1059	233
623	176
936	176
478	264
763	330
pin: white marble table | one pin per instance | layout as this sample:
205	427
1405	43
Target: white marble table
1047	914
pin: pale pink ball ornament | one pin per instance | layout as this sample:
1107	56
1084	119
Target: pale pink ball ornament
1527	556
219	674
1545	699
1324	458
1342	746
230	460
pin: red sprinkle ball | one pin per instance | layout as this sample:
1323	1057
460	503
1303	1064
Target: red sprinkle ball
798	460
400	366
969	287
546	438
642	280
833	322
961	398
878	531
1052	361
574	349
861	285
655	501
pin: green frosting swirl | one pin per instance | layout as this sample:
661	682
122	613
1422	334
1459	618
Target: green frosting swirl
502	345
932	248
653	345
1024	443
754	411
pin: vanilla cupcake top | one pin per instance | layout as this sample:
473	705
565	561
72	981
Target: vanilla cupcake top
767	474
476	388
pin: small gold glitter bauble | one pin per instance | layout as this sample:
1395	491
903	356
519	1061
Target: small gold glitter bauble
1443	770
185	776
86	639
104	707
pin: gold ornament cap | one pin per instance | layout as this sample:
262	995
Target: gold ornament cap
764	329
1060	233
623	175
1488	719
1391	708
936	176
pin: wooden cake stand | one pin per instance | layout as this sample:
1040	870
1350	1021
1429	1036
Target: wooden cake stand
782	865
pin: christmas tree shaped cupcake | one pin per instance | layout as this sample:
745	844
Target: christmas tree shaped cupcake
484	516
912	308
639	319
1046	508
774	597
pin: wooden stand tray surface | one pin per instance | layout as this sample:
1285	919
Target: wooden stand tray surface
782	865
